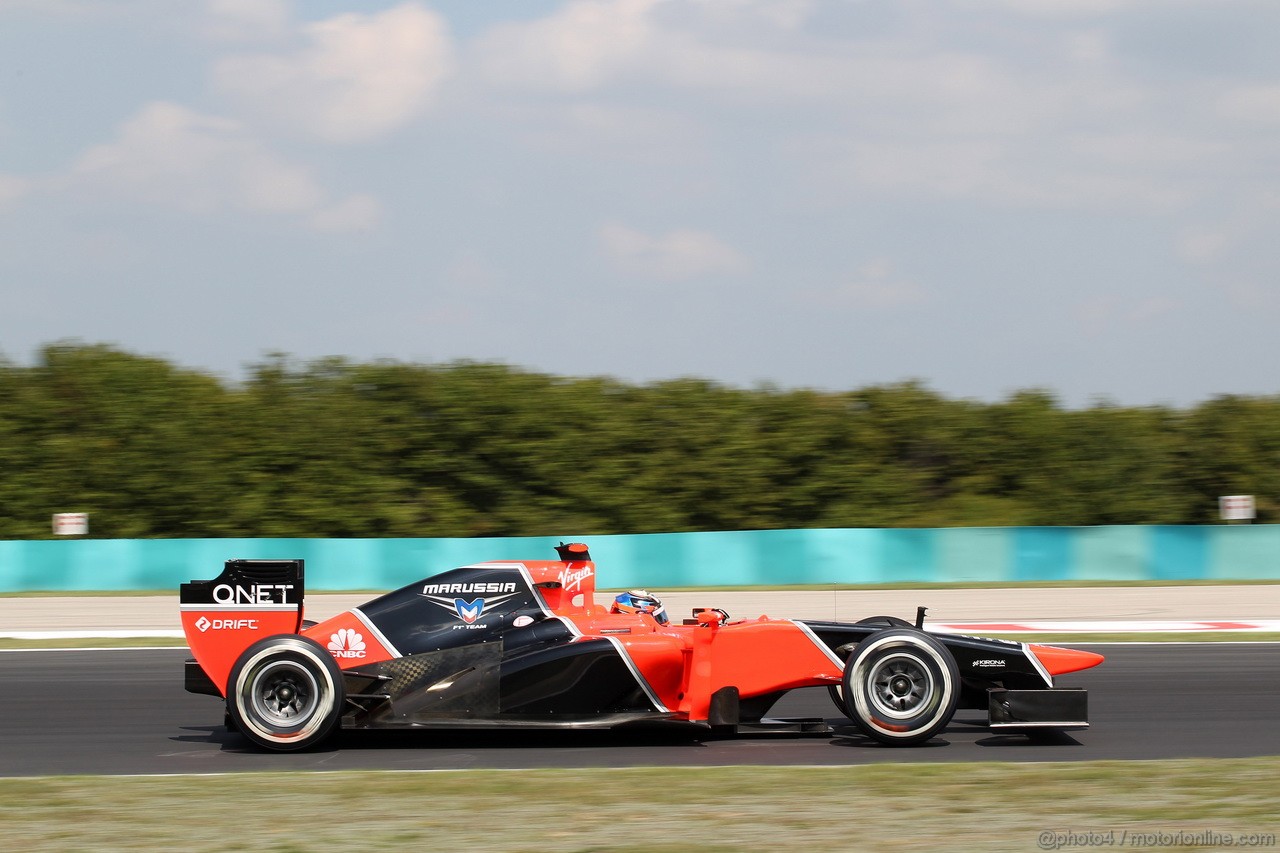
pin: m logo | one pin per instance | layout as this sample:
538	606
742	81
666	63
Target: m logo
347	643
469	613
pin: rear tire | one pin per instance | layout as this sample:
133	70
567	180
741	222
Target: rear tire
901	686
285	693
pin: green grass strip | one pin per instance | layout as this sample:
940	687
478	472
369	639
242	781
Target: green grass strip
892	806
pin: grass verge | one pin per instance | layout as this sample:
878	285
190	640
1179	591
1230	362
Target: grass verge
870	807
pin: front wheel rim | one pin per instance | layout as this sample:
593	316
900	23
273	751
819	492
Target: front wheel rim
900	686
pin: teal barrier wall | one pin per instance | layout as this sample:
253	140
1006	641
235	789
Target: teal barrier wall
670	560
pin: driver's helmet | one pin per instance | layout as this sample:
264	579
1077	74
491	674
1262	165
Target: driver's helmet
640	601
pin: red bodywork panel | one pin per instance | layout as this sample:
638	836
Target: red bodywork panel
1057	661
217	635
685	665
351	640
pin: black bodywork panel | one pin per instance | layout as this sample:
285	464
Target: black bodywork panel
256	581
462	607
553	683
1058	709
984	662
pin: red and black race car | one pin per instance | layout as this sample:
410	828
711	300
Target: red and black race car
526	644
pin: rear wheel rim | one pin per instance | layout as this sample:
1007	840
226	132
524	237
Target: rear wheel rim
283	694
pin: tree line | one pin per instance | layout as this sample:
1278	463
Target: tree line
333	448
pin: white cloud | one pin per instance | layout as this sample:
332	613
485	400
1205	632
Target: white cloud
577	48
689	45
626	128
1105	314
676	255
170	156
1202	245
1152	149
669	143
738	52
472	273
359	77
1154	308
1250	294
770	15
12	188
1044	113
75	10
875	285
1089	47
1019	142
247	20
1254	104
1057	8
355	213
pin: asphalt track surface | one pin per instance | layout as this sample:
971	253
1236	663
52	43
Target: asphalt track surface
124	711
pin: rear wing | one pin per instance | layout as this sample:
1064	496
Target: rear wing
250	600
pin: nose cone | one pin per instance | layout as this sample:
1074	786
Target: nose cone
1058	661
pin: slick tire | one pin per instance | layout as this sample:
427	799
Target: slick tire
836	691
900	686
285	693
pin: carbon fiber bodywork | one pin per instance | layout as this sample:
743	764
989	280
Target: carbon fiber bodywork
555	683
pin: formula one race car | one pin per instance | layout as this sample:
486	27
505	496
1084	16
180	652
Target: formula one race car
525	644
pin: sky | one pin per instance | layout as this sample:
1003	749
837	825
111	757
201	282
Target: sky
1079	196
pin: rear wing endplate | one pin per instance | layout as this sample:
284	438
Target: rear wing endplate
250	600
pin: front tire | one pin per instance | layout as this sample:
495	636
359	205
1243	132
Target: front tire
836	691
285	693
901	686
